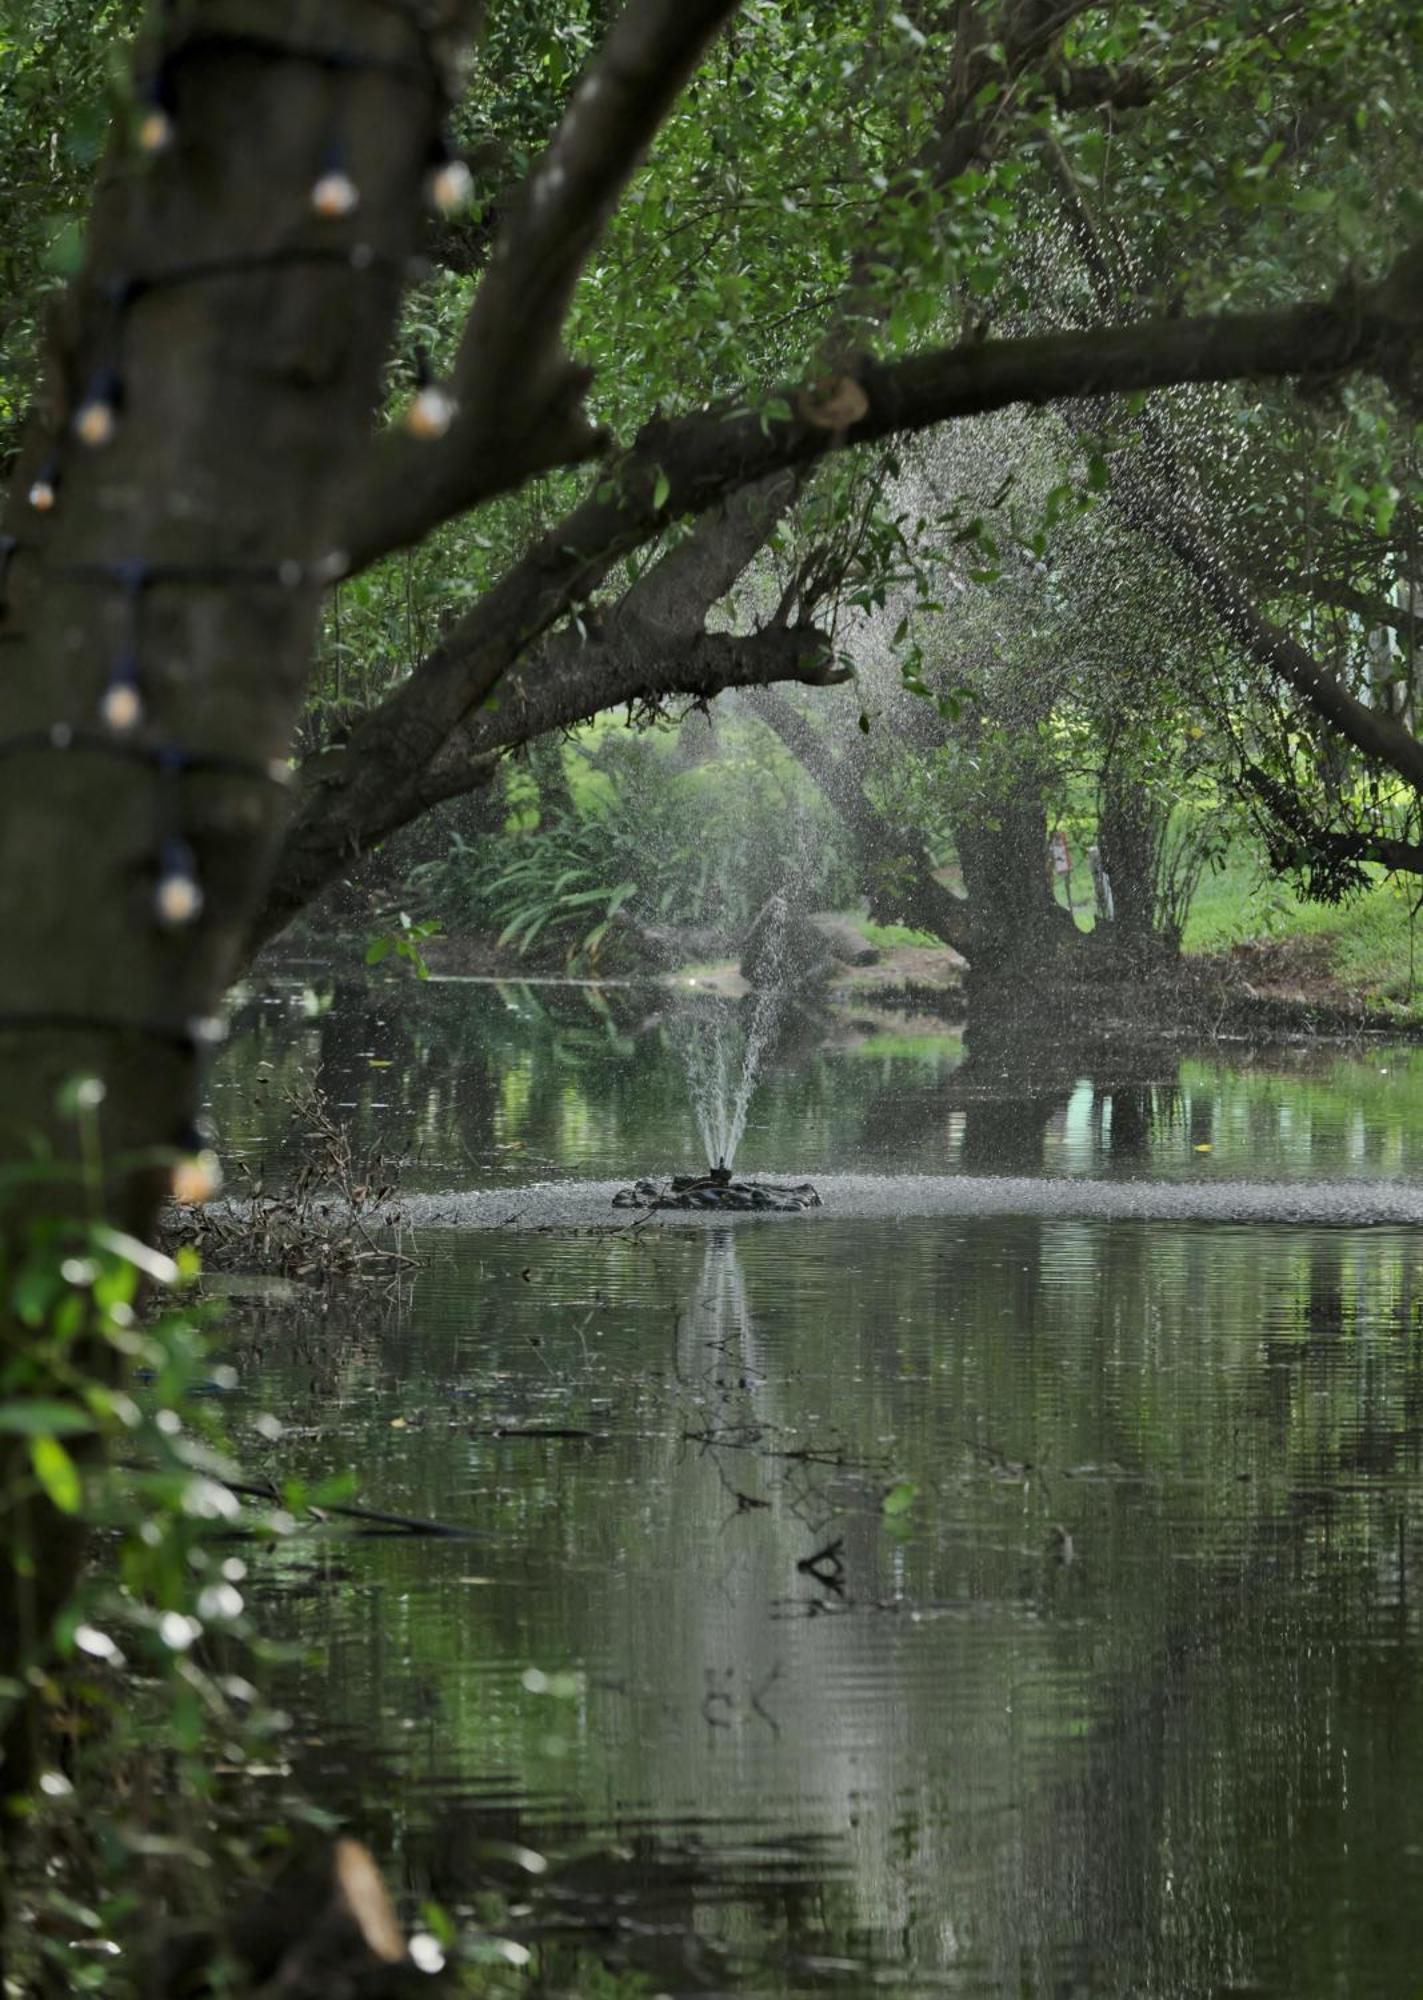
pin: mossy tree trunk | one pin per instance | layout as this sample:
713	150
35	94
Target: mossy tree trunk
238	337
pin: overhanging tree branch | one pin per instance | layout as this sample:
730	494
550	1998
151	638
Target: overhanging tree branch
635	669
1336	856
676	594
686	466
520	398
1378	612
567	681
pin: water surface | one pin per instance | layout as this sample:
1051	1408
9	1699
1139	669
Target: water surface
988	1602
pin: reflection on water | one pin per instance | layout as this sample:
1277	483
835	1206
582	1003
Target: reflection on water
472	1085
1121	1701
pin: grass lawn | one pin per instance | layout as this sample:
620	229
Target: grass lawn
1374	942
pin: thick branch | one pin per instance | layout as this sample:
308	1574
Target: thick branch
1336	853
519	396
1093	87
678	591
1378	612
568	680
634	669
685	467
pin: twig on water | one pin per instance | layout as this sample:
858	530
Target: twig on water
405	1524
827	1566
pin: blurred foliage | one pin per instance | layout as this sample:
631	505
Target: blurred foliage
140	1815
63	74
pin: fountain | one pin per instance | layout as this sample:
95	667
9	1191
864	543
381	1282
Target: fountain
723	1063
717	1190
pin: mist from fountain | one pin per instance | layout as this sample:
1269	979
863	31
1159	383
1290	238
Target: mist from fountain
723	1059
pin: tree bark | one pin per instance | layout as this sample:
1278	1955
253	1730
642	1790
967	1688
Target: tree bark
235	338
1129	831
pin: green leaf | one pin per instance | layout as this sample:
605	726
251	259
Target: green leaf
378	949
34	1291
661	488
57	1473
899	1499
44	1417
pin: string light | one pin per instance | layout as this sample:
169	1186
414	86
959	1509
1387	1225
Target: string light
197	1036
433	408
450	182
431	413
178	896
131	575
178	899
156	130
334	193
44	487
172	762
423	73
122	703
197	1172
97	417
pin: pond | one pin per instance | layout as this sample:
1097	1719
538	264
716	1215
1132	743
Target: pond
865	1602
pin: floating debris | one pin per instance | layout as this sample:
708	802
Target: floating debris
717	1190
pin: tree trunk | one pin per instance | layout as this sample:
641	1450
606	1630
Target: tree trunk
1130	829
1001	834
161	613
545	755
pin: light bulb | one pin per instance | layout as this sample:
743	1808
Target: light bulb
335	194
156	130
178	899
451	185
431	413
122	706
197	1176
96	423
97	417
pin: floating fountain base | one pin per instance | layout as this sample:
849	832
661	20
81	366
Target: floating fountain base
717	1190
